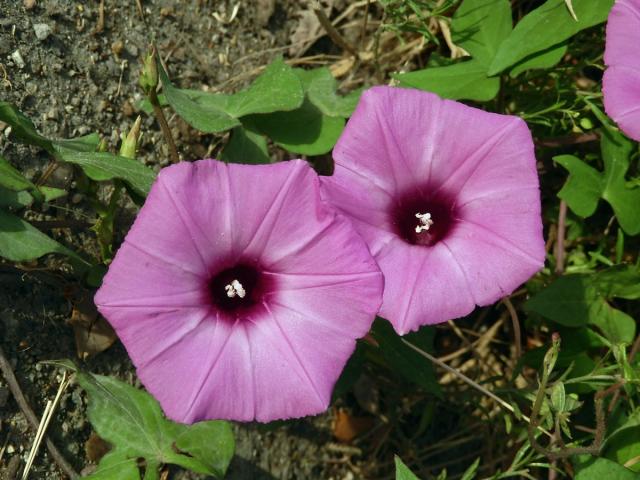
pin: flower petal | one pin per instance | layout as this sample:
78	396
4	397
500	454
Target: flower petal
289	345
207	375
389	123
485	256
142	279
254	374
406	148
422	286
203	359
621	89
623	34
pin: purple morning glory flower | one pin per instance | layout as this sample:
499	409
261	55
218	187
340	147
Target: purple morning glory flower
447	198
621	81
239	293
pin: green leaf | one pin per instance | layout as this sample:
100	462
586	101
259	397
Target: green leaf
13	199
619	281
594	468
22	199
12	179
320	87
277	89
246	146
210	443
205	112
87	143
574	301
20	241
113	466
566	301
558	397
102	166
305	130
539	60
624	446
52	193
583	188
131	420
615	325
463	80
22	127
546	26
616	150
586	185
25	131
402	471
623	441
470	473
480	27
404	360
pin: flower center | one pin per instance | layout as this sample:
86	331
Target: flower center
425	222
237	287
421	218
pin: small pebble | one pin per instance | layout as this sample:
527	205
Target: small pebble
42	31
17	59
117	47
127	109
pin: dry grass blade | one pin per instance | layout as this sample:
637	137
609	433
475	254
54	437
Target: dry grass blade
44	424
471	383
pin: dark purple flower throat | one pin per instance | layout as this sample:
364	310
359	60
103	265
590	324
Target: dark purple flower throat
424	219
240	287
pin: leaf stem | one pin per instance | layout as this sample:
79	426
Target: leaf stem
166	131
562	220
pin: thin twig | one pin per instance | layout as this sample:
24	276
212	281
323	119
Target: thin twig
331	31
53	165
100	25
557	142
562	219
515	321
364	24
473	384
21	400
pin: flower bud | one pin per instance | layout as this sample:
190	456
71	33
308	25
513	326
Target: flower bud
130	142
149	74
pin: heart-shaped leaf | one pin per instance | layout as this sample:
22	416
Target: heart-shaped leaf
132	422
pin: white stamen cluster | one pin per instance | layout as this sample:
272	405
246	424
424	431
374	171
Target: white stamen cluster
425	222
234	289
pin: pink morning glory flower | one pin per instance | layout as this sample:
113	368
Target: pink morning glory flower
621	81
239	293
447	198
